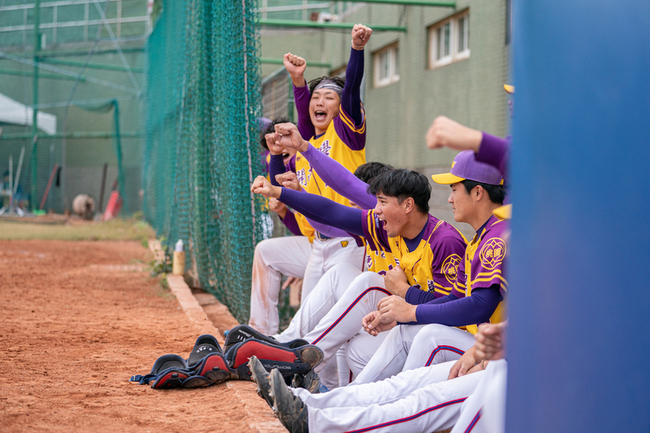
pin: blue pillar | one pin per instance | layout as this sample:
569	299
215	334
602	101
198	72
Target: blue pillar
579	342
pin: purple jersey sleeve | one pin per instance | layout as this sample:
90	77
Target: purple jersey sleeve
494	151
328	230
340	179
351	95
324	210
301	98
373	232
290	222
461	312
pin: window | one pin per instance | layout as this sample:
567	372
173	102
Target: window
386	66
449	40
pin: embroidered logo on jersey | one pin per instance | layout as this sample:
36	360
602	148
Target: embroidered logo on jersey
344	243
450	267
302	177
325	147
383	255
492	253
396	261
369	261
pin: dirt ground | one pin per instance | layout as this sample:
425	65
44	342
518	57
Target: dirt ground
77	320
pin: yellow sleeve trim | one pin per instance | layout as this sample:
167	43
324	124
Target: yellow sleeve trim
350	123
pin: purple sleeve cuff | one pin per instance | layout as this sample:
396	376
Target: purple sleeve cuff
301	98
290	222
337	177
494	151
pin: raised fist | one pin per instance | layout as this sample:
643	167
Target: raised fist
288	180
360	35
287	136
445	132
296	68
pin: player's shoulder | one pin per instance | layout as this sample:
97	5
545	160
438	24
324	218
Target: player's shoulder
496	229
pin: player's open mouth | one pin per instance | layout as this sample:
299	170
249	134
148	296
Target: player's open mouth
320	115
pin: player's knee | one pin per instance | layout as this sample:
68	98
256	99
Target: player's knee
365	281
429	333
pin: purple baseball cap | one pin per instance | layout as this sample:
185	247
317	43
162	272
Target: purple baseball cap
465	166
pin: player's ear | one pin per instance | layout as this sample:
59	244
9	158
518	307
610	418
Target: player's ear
408	204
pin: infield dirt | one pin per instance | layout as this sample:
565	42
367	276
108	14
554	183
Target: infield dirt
78	319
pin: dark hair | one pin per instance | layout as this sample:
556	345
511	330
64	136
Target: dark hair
366	172
496	192
402	183
316	81
269	129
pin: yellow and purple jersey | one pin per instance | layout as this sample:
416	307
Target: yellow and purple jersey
483	266
433	265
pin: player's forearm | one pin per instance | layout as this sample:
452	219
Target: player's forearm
301	99
470	310
351	96
324	211
494	151
276	166
339	178
289	220
416	296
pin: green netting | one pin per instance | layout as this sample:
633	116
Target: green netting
201	152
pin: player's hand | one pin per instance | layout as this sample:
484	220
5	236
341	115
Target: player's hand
491	341
287	136
278	207
261	185
445	132
360	36
463	366
397	309
296	68
289	281
274	147
396	282
373	324
288	180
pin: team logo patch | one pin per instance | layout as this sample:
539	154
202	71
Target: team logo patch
369	261
492	253
450	267
344	243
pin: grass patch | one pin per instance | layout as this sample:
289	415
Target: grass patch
117	229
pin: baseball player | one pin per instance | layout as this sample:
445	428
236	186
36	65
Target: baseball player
410	347
331	116
421	400
426	248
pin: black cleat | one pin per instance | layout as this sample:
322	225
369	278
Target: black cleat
261	378
310	381
291	411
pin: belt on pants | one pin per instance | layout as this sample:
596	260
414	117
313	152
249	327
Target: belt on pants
322	237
